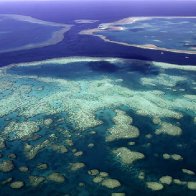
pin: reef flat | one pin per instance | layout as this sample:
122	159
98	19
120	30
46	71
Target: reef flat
94	126
28	32
174	34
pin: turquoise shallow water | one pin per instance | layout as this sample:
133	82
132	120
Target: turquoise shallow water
84	110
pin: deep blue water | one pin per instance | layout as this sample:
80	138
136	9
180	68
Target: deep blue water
34	34
76	45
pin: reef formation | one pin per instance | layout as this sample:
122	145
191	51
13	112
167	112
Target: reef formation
69	129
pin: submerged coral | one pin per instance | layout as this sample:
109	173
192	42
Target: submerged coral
56	177
20	130
154	186
169	129
166	180
93	172
6	181
141	175
6	166
23	169
76	166
42	166
36	180
191	185
11	156
187	171
127	156
122	128
98	179
91	145
175	157
2	144
79	153
59	148
32	151
48	121
111	183
118	194
17	184
179	182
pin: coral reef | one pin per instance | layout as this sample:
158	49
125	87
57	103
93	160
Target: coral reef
6	166
118	194
187	171
76	166
23	169
17	185
154	186
169	129
122	128
166	180
48	122
2	144
79	153
191	185
175	157
56	177
59	148
91	145
36	180
42	166
6	181
179	182
11	156
16	130
126	156
32	151
111	183
93	172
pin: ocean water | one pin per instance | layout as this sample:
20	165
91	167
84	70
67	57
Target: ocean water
77	45
22	32
101	117
168	33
